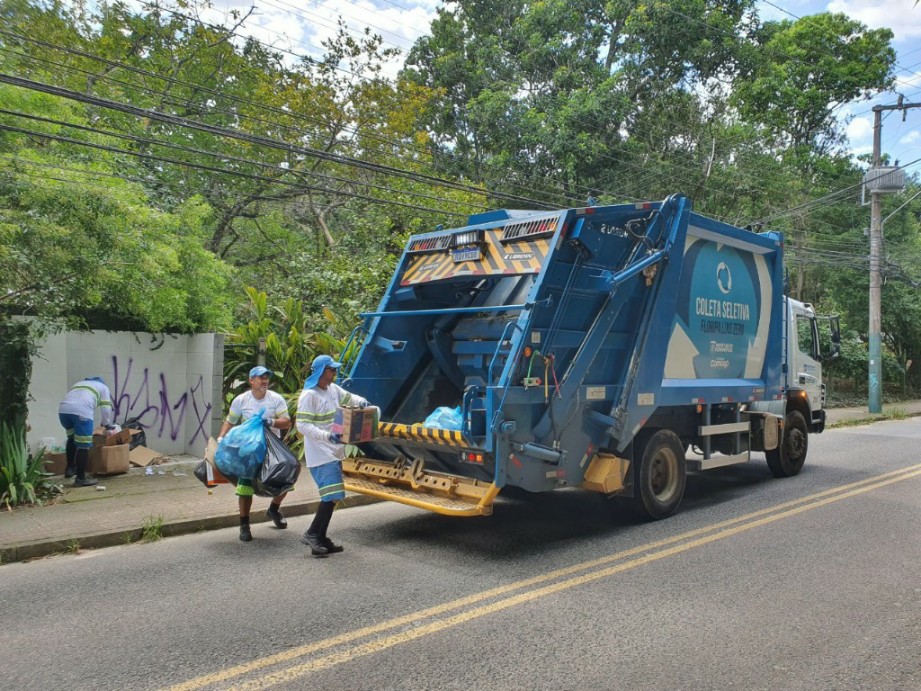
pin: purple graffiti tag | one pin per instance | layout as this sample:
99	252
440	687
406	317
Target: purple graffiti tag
158	410
131	404
202	417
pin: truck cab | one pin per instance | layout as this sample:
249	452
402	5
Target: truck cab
803	374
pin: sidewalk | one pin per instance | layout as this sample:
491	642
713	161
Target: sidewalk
175	502
172	499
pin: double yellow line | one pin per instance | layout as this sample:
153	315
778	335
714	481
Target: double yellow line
505	597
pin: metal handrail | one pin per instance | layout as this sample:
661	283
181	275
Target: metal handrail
354	336
450	310
499	343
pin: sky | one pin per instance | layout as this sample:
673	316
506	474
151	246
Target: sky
300	26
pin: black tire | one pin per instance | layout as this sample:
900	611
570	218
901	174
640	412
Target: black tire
788	458
659	478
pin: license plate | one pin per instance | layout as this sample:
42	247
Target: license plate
468	254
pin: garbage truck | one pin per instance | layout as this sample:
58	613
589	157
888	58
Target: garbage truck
608	348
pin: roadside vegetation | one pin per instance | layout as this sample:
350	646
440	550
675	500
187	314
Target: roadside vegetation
23	479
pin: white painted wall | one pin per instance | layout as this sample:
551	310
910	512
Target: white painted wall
171	383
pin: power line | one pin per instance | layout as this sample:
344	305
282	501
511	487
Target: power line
645	170
251	176
228	157
390	142
247	137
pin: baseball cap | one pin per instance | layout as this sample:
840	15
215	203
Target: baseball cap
259	370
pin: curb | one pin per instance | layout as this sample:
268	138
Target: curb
45	548
869	418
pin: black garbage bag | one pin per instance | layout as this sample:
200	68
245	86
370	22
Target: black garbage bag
279	471
139	439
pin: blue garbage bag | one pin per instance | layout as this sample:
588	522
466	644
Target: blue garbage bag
242	450
445	418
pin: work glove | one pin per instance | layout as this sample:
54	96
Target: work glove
363	404
268	423
335	438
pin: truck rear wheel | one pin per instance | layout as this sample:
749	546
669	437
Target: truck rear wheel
788	458
660	478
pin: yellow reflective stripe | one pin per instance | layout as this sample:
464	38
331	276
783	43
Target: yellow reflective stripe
233	418
316	418
91	390
105	404
331	489
345	400
80	439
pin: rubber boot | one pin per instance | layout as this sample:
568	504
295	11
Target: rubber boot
325	518
82	461
246	534
71	453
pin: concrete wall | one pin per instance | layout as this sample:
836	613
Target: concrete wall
172	384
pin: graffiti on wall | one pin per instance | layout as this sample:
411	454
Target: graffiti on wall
146	397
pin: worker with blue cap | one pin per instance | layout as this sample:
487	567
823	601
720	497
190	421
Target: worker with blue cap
323	450
245	406
76	413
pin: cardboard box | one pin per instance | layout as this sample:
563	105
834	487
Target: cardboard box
142	456
109	460
123	437
55	462
356	424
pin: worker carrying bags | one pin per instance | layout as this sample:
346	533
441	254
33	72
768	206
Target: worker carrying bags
253	452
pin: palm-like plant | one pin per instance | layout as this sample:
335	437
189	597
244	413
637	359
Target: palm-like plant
291	343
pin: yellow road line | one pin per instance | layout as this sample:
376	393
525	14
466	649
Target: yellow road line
372	647
719	531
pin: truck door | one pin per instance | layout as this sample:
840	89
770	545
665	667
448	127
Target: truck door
805	365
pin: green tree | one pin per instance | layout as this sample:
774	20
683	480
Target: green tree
77	238
800	73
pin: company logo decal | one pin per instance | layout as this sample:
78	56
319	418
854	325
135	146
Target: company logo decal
723	278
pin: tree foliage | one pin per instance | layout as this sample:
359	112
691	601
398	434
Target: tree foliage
800	72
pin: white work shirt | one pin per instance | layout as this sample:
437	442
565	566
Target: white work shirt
245	406
316	410
83	399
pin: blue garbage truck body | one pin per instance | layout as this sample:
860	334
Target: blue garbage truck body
612	348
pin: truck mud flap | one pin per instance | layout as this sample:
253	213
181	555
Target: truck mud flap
449	495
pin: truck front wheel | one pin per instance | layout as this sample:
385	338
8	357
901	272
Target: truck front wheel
788	458
660	478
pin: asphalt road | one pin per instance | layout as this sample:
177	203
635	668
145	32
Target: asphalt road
805	583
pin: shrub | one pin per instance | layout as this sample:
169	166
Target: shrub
23	479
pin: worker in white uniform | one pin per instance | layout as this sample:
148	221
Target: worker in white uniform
248	404
323	450
77	413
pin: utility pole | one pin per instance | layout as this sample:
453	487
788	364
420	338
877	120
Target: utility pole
881	181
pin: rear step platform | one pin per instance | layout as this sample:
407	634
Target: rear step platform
449	495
